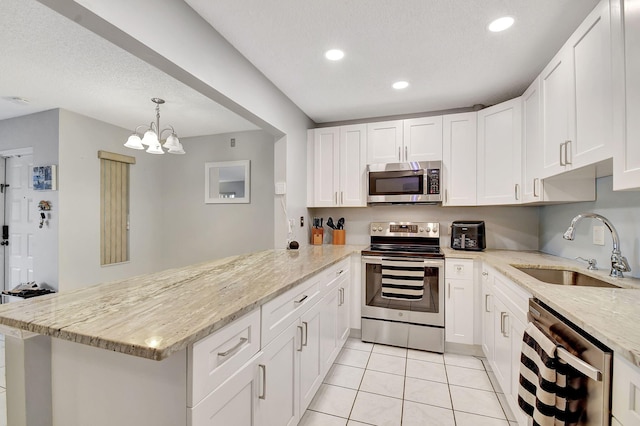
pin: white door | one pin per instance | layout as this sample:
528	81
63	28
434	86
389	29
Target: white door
344	302
499	153
459	311
459	159
531	144
20	215
310	362
326	157
423	139
353	165
502	345
278	401
384	142
591	51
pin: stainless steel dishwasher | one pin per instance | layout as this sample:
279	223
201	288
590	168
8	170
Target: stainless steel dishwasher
593	359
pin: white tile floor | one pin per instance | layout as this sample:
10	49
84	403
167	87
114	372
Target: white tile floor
384	385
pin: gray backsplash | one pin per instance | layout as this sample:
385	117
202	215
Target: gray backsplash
621	208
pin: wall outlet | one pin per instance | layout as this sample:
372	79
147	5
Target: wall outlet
598	235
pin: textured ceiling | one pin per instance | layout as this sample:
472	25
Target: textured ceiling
441	47
55	63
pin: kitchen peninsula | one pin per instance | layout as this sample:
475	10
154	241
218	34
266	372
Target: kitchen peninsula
135	335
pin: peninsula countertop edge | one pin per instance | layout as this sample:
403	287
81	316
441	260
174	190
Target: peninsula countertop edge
156	315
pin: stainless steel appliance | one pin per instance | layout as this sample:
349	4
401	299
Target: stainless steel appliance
468	235
593	361
403	286
412	182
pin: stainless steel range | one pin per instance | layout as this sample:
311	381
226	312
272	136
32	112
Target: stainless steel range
403	286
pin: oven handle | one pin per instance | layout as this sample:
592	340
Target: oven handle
427	262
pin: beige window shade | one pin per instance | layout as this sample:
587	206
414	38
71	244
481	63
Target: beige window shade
114	207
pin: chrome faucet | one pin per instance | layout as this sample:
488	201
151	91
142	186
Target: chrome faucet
619	263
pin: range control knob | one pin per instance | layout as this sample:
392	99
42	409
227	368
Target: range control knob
421	230
380	228
428	229
435	227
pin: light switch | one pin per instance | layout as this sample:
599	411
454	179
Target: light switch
598	235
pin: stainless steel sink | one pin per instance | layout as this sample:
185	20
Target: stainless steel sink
564	277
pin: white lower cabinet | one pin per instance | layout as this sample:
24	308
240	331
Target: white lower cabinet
301	333
277	398
625	405
459	301
311	364
233	403
508	303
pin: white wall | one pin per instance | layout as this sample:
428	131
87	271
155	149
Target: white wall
213	67
79	182
193	231
39	132
509	228
621	208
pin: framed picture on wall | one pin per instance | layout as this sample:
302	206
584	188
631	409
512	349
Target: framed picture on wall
45	178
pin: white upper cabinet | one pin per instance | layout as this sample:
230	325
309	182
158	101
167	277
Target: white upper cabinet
384	142
423	139
626	33
531	144
499	153
459	159
339	168
417	139
576	98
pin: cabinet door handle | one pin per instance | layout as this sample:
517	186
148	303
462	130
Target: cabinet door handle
448	290
306	333
562	163
302	299
502	314
486	303
336	197
263	395
516	191
340	296
399	155
567	144
535	182
235	348
406	153
446	196
504	329
301	337
341	197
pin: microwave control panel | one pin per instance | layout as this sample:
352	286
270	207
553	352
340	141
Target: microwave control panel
433	181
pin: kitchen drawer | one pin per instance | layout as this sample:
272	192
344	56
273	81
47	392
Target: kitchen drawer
333	275
513	296
215	358
458	269
280	312
626	392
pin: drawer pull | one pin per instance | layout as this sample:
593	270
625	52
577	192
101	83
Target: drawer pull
486	303
301	337
242	341
306	331
341	296
302	299
263	395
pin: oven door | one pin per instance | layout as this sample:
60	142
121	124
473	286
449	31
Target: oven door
391	289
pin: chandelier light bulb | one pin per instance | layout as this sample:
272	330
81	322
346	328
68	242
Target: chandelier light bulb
134	142
153	135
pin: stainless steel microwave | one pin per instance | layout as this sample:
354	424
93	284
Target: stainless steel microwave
410	182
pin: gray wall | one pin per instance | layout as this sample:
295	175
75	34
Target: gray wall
621	208
511	228
193	231
79	177
39	132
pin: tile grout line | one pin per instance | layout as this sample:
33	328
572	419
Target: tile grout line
446	374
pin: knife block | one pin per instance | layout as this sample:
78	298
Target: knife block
317	235
339	237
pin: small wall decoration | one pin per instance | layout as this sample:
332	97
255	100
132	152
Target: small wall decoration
45	178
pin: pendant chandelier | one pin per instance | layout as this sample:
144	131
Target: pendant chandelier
153	136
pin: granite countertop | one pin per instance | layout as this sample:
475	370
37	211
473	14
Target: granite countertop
155	315
611	315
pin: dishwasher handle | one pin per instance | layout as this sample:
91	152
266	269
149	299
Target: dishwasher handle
580	365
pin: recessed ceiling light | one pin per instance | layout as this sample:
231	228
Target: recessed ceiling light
334	54
501	24
400	85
